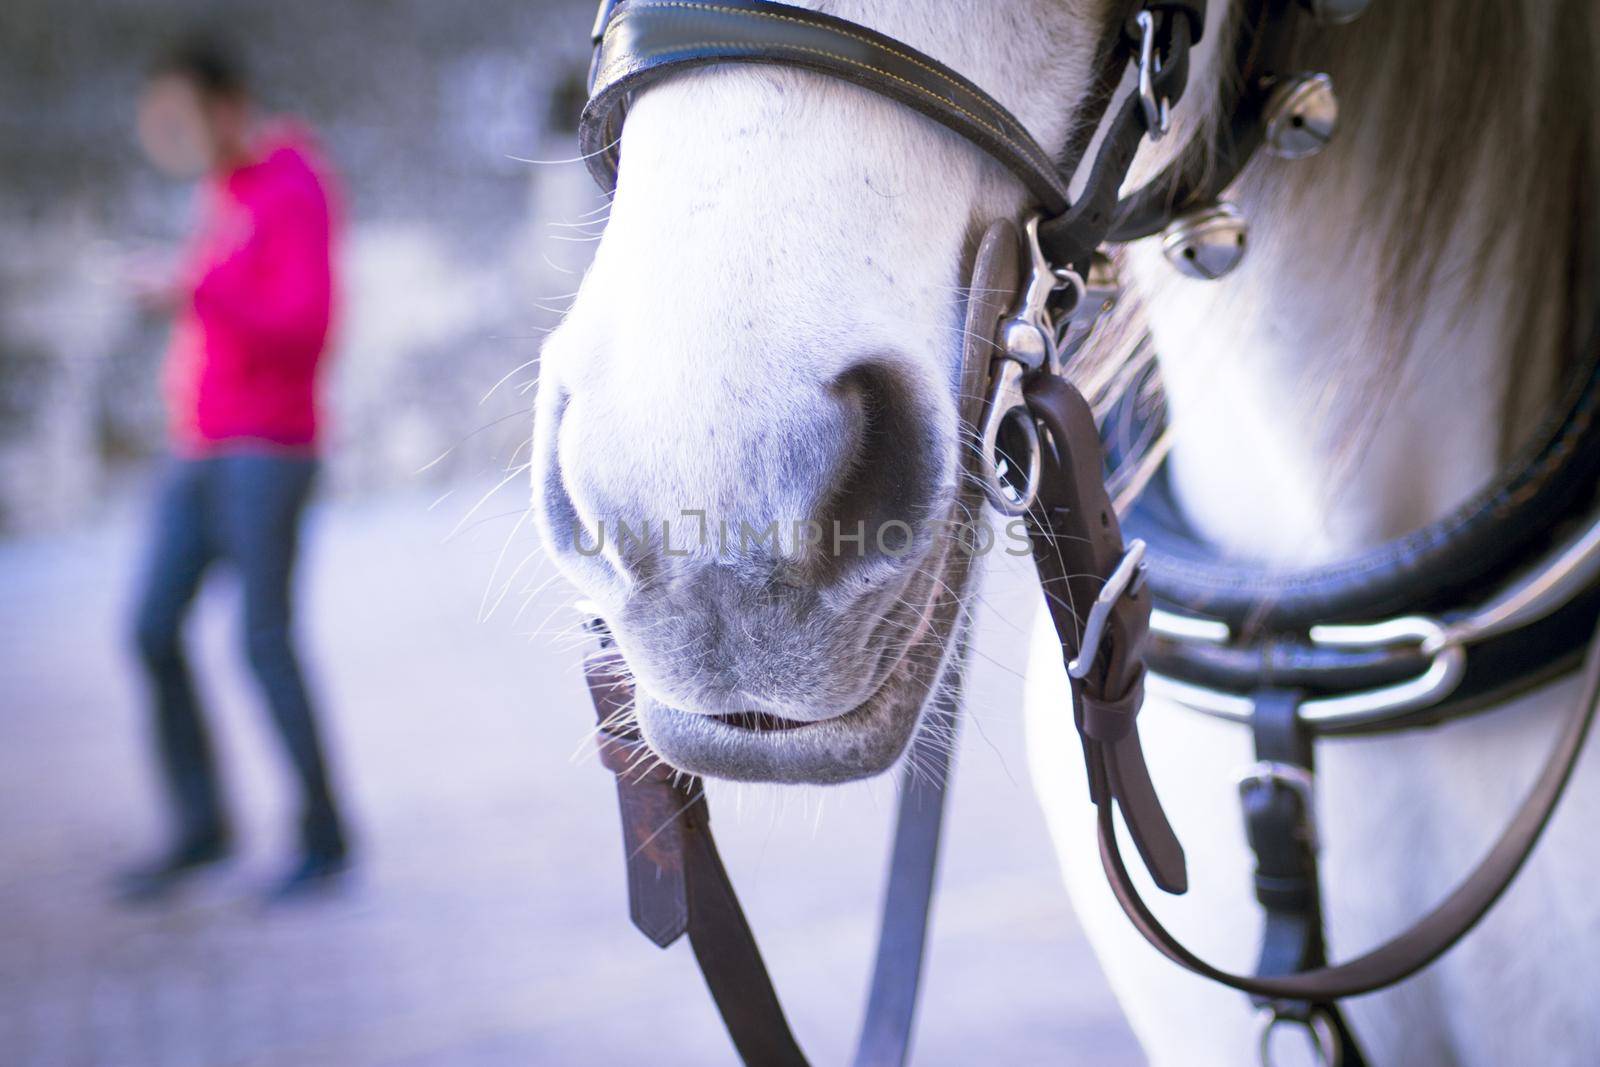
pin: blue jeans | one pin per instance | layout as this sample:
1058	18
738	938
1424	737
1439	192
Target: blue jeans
243	509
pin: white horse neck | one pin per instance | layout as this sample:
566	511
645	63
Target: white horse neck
1312	416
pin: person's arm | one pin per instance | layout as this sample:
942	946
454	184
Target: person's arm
275	291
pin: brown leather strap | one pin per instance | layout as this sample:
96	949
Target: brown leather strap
1435	933
676	881
1077	544
677	884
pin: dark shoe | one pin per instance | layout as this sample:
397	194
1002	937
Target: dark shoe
153	881
315	875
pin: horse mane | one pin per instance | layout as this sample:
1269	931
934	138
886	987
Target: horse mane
1451	112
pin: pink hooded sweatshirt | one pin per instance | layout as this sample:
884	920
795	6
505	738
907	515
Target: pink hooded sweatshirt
242	364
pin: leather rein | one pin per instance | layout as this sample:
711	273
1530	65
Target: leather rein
1295	649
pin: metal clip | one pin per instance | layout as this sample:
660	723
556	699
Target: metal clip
1126	579
1027	334
1010	440
1157	112
1096	296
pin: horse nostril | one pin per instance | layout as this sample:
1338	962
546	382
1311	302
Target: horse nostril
566	533
878	508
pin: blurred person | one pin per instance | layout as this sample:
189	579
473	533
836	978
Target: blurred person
252	303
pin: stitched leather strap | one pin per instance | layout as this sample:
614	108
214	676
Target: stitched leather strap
646	40
1280	818
1436	932
1077	544
1438	568
640	42
677	884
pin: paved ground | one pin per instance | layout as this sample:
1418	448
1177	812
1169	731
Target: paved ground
487	926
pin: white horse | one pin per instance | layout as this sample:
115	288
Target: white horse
769	333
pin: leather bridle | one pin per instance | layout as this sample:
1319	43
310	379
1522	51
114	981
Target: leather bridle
1294	655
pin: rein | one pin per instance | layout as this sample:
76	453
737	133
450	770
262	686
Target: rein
1290	653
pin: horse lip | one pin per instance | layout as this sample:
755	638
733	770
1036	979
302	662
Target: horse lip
859	743
763	722
760	722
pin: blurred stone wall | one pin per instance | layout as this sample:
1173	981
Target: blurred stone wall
450	275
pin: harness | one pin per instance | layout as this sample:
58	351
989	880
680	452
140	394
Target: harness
1399	637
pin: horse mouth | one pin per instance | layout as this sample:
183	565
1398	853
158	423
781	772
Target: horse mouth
760	722
858	743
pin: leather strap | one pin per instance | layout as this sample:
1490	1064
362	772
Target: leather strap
676	881
1438	568
1070	237
885	1038
677	884
647	40
1077	544
640	42
1281	826
1436	932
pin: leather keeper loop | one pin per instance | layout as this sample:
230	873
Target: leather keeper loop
1109	721
1285	892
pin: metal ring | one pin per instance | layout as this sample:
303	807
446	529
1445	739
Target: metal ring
1325	1040
1015	493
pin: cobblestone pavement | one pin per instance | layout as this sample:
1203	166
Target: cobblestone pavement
486	925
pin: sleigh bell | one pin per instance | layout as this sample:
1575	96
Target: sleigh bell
1207	242
1302	116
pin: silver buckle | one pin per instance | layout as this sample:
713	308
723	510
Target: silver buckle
1128	577
1157	112
1297	780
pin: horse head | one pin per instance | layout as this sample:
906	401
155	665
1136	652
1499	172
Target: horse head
749	436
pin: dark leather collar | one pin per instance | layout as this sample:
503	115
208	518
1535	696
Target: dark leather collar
1442	566
1444	569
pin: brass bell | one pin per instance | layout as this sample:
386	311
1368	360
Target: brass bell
1336	12
1207	242
1302	116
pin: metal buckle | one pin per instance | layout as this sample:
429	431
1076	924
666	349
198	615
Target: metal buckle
1325	1043
1128	577
1157	111
1298	780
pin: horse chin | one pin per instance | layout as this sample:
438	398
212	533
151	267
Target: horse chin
864	741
